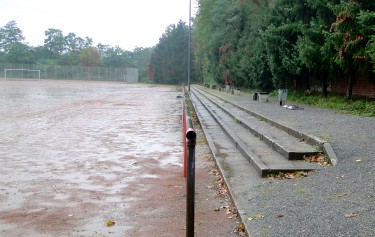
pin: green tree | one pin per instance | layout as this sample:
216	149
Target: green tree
314	53
252	67
20	53
73	43
117	57
54	41
141	58
10	34
366	18
218	26
168	63
90	57
69	58
286	20
351	35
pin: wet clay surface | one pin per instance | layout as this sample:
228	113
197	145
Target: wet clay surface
75	155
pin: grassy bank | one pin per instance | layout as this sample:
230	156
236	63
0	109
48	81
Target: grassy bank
357	106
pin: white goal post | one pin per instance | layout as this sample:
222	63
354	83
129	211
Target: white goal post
26	70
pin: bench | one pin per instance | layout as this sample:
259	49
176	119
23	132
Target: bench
260	96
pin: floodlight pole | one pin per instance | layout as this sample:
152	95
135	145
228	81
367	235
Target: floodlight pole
189	46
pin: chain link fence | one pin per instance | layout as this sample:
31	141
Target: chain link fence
68	72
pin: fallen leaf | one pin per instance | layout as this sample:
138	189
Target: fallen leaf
240	230
358	161
279	215
317	159
342	195
301	191
290	175
351	215
256	217
259	216
110	223
217	209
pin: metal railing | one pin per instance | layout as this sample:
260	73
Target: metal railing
189	166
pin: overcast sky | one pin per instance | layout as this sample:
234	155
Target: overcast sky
126	23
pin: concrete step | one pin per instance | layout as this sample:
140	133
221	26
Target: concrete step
230	139
286	144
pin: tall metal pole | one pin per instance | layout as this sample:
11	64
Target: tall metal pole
189	46
190	182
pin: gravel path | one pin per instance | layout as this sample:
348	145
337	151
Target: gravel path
336	201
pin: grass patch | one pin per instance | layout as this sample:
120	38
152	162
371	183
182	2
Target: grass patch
356	106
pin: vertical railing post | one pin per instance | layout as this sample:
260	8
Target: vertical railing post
190	190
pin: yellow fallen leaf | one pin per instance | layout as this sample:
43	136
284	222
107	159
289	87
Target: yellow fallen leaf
110	223
350	215
358	161
250	218
259	216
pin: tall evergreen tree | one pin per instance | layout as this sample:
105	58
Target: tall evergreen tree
168	63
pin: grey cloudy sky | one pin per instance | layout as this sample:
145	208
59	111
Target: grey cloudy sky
126	23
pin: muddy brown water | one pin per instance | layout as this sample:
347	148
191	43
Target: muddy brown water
75	155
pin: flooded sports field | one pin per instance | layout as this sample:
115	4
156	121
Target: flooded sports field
83	158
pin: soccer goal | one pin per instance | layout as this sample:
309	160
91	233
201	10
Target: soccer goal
22	73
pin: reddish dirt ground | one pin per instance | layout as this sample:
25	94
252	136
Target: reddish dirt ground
76	154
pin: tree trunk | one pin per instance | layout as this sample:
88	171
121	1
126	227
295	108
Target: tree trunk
349	87
324	83
307	82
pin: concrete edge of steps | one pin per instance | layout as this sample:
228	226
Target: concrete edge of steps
262	169
310	139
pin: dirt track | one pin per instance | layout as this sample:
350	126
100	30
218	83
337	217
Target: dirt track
75	155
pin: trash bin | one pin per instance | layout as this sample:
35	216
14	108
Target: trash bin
255	96
283	95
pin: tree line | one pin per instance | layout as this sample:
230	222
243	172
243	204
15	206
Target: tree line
282	43
69	49
264	45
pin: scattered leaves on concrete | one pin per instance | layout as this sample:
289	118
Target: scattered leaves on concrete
219	183
318	158
289	175
231	212
240	230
